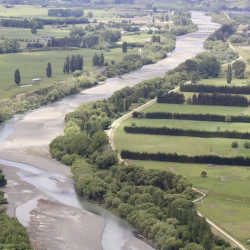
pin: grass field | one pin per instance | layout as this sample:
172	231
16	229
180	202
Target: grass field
29	11
16	33
198	109
143	37
179	144
189	124
33	65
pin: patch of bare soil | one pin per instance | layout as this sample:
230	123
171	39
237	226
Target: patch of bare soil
227	213
173	169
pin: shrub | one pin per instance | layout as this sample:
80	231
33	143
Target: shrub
234	144
247	144
203	174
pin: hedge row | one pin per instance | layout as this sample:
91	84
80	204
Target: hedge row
220	100
194	117
189	132
172	97
201	88
202	159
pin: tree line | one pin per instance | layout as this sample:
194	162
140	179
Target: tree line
65	12
73	63
200	159
172	97
63	20
201	88
87	41
22	23
186	132
218	100
9	46
194	117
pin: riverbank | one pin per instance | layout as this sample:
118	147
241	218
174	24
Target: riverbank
29	143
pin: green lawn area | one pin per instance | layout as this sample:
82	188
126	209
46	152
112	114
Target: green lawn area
198	109
33	65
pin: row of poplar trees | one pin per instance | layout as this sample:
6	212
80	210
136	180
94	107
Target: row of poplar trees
73	63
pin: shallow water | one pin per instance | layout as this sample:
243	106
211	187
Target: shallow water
117	231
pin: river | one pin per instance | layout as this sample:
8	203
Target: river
25	138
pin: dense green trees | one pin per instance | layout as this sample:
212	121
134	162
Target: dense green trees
209	67
172	97
49	70
201	159
98	60
17	77
220	100
63	20
73	63
65	12
77	31
25	23
9	46
33	30
124	47
202	88
239	69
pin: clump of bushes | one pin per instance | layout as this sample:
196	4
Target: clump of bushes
234	144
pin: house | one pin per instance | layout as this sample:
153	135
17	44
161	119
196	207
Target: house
45	39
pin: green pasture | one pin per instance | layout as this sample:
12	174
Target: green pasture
16	33
198	109
231	215
179	144
143	37
33	65
189	124
25	11
33	11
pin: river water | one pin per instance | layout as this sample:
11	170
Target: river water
116	232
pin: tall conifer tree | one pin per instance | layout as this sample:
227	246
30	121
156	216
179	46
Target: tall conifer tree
17	77
229	73
49	70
